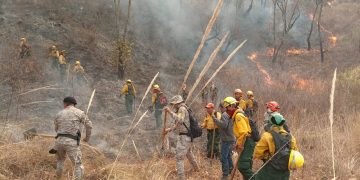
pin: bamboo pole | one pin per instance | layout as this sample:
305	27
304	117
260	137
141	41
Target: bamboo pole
206	34
90	101
35	102
122	145
136	150
36	89
220	67
212	147
331	118
207	65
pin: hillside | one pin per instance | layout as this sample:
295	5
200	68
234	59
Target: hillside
164	36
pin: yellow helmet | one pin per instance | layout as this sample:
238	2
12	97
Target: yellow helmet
249	93
229	101
129	81
296	160
23	39
53	47
156	86
77	62
238	91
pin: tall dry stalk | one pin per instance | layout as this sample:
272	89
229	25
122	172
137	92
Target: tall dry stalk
90	101
207	65
206	34
331	118
218	69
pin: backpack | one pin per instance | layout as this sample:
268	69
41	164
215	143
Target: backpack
255	135
195	130
280	160
130	90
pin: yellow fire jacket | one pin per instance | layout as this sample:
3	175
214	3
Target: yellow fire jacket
242	128
125	90
208	122
242	104
265	148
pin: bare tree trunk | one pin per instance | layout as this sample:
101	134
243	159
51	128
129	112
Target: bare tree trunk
311	28
127	19
320	35
277	51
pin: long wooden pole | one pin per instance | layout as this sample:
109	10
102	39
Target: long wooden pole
331	118
206	34
164	129
207	65
220	67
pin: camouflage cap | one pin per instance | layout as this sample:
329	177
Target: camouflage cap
176	99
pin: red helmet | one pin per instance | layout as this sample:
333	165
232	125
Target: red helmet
273	106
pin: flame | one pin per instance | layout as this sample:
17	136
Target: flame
266	75
333	40
301	83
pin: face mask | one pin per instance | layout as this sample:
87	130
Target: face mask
269	110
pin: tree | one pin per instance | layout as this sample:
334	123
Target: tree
312	25
321	2
288	21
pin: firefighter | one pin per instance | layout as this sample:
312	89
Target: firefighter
54	55
251	106
272	107
130	93
79	72
213	135
62	65
159	101
238	94
25	49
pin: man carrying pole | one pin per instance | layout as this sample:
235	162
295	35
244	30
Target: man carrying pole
213	136
67	126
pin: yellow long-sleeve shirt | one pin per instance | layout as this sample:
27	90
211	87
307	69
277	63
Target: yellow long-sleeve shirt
154	98
125	90
208	122
242	104
242	127
265	148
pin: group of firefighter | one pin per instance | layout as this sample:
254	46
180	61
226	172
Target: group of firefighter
232	127
58	62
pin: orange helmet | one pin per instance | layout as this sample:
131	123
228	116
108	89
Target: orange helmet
273	106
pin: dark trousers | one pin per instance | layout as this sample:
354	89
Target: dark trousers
213	147
269	172
226	161
158	116
129	102
246	159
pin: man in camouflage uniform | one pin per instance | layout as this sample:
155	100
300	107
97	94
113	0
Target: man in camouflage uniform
183	145
67	126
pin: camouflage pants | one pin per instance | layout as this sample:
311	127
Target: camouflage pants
66	146
183	148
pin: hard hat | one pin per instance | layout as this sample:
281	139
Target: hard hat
277	119
210	105
273	106
296	160
229	101
53	47
176	99
129	81
70	100
23	39
77	62
156	86
249	93
238	91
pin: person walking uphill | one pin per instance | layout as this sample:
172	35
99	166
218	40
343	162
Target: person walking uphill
213	136
67	126
130	93
226	135
159	101
281	147
184	142
245	144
